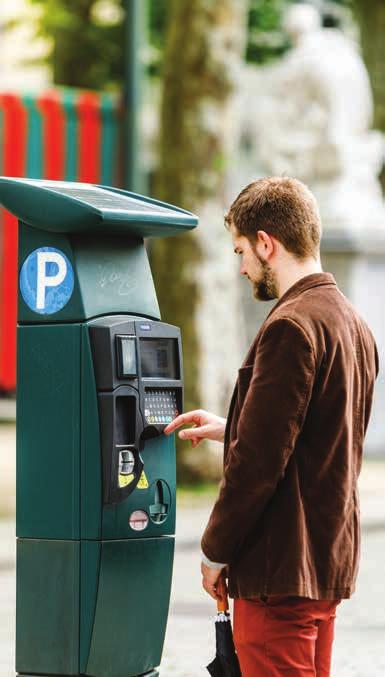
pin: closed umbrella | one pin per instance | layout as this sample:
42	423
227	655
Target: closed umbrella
225	663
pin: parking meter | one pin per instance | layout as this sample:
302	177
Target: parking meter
99	377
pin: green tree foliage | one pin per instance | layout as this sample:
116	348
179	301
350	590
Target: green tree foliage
371	19
158	15
87	39
266	40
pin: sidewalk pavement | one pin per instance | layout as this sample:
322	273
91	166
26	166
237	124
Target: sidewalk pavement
7	468
7	409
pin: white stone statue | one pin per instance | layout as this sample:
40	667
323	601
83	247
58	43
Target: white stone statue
310	117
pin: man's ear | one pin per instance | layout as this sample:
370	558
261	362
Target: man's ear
265	244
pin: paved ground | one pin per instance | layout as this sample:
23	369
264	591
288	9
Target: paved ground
7	409
360	645
7	468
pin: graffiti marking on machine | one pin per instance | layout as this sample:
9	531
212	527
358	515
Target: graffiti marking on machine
46	280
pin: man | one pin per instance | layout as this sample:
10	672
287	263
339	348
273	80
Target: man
286	522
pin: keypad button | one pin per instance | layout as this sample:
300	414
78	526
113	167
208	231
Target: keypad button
160	406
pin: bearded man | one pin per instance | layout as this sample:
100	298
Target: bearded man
285	526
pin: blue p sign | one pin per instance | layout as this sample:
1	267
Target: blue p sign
46	280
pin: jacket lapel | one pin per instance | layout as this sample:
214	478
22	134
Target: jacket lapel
230	414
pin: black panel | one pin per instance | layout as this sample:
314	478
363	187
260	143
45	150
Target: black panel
138	366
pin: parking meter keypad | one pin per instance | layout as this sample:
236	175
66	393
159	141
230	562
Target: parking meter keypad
160	406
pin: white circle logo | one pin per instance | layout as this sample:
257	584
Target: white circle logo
46	280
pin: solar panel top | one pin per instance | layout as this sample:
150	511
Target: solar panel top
104	199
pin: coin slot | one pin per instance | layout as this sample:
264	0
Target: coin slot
159	509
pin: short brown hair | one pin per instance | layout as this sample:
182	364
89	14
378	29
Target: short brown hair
282	207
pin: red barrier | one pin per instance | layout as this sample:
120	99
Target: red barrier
15	129
89	135
53	135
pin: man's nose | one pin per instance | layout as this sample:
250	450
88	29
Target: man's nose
243	270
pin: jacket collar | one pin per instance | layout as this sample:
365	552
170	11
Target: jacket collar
305	283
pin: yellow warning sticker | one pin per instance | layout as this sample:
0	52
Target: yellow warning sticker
143	482
125	480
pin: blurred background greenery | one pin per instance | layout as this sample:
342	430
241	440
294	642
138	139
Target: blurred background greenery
91	32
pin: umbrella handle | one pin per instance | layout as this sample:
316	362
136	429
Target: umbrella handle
222	600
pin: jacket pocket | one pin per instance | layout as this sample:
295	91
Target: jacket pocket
244	378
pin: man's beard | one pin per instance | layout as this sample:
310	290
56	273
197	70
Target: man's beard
265	289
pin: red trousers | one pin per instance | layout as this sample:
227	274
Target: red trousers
280	636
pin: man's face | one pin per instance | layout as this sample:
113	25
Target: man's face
255	267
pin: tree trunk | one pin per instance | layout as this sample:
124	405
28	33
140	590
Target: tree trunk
204	49
370	15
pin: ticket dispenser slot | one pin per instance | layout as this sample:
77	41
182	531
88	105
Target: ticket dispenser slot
138	368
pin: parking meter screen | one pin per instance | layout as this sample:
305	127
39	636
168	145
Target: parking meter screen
159	358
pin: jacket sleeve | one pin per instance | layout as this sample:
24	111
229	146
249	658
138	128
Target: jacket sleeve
270	420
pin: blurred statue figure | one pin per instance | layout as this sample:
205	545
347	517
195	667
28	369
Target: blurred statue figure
312	117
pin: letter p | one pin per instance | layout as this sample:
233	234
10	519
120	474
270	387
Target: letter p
43	279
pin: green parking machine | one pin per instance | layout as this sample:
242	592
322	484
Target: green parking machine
99	377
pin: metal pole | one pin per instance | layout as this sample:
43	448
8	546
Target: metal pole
134	75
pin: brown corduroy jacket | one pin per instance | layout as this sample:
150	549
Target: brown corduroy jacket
287	517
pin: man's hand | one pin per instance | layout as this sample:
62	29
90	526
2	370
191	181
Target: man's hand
205	426
210	578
